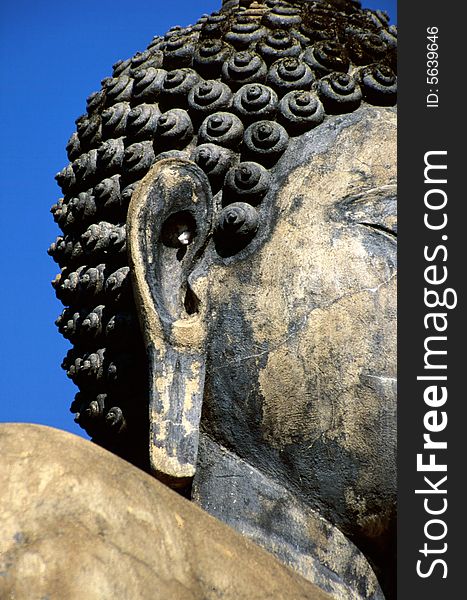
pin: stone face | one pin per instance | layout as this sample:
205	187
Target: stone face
302	350
78	522
238	86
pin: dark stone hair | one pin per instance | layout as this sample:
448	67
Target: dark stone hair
229	91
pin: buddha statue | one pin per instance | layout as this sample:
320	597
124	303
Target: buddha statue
228	270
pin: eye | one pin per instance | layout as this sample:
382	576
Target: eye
375	209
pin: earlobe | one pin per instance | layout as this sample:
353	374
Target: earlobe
169	225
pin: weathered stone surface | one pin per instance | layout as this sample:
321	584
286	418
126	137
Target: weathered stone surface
263	270
302	352
78	522
302	345
265	511
237	86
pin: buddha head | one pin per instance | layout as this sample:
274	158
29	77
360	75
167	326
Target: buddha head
228	254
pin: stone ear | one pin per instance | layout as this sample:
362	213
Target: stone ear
169	225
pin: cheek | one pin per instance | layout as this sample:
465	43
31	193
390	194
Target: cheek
335	376
333	373
301	374
328	395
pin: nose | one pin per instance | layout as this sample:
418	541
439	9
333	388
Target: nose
169	223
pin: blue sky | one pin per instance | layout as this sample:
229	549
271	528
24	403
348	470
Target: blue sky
53	55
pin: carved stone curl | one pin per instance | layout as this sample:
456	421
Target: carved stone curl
114	120
236	226
115	419
95	102
150	58
148	84
82	209
89	130
214	160
289	74
209	96
108	198
174	130
367	47
379	85
177	84
248	181
327	56
110	155
209	57
282	16
339	93
242	34
244	67
142	122
138	158
66	179
222	128
73	147
66	250
279	44
265	141
178	51
255	101
118	89
84	168
300	110
101	238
